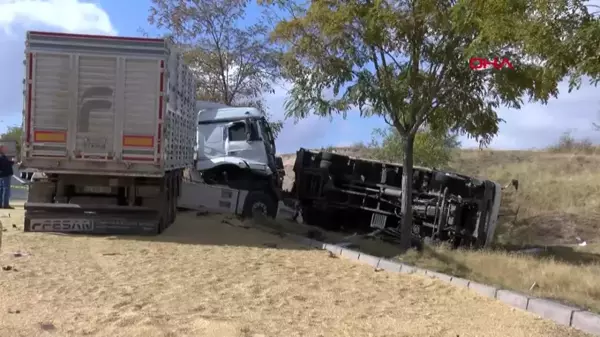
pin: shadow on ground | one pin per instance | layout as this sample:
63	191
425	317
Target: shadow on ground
222	230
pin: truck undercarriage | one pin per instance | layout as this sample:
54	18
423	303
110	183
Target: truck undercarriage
342	193
78	203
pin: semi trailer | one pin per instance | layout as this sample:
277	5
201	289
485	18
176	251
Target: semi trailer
110	121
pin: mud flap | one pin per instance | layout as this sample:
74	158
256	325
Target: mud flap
90	219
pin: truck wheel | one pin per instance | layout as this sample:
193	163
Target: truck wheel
336	164
259	201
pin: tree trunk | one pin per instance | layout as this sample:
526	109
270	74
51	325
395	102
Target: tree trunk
407	187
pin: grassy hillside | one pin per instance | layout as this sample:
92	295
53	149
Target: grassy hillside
558	197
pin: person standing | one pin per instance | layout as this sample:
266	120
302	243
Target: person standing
6	173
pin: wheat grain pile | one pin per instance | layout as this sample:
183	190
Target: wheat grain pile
207	276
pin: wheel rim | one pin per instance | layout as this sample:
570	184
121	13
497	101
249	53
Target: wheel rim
259	208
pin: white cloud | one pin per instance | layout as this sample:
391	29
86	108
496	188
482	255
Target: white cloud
70	16
18	16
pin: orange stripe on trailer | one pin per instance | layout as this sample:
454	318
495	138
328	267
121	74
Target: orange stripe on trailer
138	141
49	136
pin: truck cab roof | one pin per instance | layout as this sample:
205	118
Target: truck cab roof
224	114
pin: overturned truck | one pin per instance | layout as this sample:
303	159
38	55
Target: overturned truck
338	192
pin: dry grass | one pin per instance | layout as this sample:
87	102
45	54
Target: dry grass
558	200
558	197
207	278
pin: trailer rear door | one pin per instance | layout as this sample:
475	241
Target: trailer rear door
94	98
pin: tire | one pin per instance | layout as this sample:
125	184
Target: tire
259	201
335	164
327	159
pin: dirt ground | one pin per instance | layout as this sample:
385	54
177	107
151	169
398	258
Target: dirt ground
210	276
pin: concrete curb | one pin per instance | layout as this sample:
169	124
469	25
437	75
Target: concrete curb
561	314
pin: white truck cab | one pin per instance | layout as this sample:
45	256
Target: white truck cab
236	170
235	136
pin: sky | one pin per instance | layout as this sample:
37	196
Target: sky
534	126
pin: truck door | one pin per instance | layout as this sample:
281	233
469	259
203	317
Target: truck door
244	141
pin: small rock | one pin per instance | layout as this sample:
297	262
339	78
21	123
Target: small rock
47	326
332	255
14	226
7	268
10	311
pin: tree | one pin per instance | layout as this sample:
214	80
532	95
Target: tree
430	149
408	61
234	65
13	133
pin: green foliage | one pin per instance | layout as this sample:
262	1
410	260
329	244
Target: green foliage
235	63
407	61
276	126
430	149
13	133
